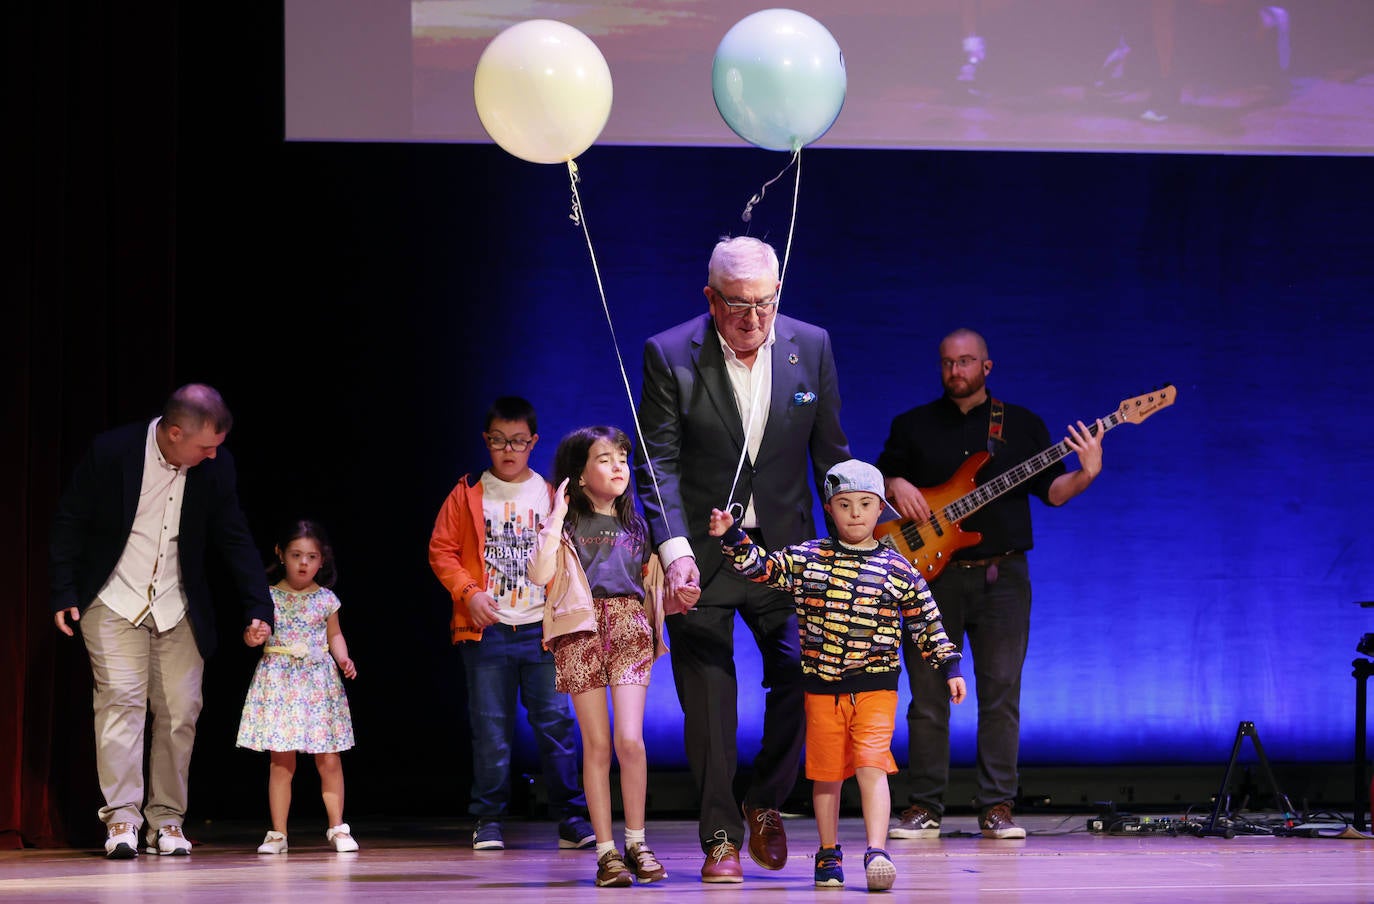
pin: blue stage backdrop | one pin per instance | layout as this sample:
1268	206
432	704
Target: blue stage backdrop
1209	575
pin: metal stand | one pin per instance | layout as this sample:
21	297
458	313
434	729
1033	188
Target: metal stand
1363	669
1213	826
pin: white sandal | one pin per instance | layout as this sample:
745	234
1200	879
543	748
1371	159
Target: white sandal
341	837
274	843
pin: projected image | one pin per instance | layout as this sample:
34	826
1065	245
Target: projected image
1207	75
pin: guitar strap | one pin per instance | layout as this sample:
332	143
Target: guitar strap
996	416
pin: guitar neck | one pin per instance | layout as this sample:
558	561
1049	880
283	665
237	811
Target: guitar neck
969	503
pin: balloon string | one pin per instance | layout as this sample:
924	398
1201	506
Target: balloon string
782	281
579	217
748	213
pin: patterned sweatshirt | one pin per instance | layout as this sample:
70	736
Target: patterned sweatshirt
851	606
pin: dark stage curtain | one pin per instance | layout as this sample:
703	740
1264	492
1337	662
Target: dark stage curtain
92	92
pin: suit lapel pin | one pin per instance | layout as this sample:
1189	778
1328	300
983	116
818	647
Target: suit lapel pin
792	358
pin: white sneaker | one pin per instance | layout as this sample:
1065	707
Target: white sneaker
121	841
169	840
274	843
341	837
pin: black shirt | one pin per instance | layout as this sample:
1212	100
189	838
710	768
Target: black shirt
927	444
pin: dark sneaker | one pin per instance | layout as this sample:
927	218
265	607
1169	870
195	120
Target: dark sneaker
996	823
575	833
486	836
643	863
722	861
830	868
879	870
916	822
611	871
767	839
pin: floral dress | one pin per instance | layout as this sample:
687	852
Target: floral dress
296	700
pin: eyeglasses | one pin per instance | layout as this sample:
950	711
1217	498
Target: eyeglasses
963	363
498	442
740	307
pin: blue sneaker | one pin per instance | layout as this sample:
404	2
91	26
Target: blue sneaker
830	868
486	836
879	870
575	833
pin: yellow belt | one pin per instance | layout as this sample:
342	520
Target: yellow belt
296	650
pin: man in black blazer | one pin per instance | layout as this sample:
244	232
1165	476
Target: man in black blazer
734	404
128	556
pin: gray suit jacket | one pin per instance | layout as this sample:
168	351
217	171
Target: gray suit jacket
693	434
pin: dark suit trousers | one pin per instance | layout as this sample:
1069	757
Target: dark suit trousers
996	620
702	649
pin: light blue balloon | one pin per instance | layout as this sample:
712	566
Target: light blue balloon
778	79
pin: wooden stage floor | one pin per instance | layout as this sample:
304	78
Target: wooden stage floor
431	861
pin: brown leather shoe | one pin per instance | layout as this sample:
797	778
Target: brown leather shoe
767	840
611	871
722	861
642	862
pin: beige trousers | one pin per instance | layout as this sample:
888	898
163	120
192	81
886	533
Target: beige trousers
137	670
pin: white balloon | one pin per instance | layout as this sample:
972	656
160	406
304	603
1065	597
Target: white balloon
543	91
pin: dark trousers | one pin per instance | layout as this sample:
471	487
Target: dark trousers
996	619
703	658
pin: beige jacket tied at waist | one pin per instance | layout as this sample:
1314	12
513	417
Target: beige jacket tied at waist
568	607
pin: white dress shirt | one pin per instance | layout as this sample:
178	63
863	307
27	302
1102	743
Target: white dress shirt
753	388
147	579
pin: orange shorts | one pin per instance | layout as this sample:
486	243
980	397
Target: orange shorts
846	731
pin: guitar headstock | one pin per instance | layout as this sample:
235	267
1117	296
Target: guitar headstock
1136	409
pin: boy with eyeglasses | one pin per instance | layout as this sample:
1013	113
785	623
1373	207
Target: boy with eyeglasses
479	548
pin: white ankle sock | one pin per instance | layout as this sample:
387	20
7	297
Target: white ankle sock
633	836
602	847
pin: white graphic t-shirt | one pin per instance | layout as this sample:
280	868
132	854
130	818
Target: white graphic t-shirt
513	513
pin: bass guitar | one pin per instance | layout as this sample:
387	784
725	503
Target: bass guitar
930	544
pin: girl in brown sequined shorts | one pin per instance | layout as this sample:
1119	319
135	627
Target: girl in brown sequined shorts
621	651
592	553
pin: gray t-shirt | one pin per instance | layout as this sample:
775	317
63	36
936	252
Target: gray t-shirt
611	557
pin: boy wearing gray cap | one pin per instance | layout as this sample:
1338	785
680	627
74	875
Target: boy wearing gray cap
853	596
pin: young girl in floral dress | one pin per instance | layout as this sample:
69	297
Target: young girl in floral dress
296	701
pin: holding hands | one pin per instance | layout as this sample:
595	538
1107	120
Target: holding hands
684	588
257	632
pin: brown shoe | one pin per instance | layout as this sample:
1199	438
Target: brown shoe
767	840
996	822
611	871
916	822
722	861
643	863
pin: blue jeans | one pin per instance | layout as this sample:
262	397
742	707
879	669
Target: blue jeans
996	619
507	661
